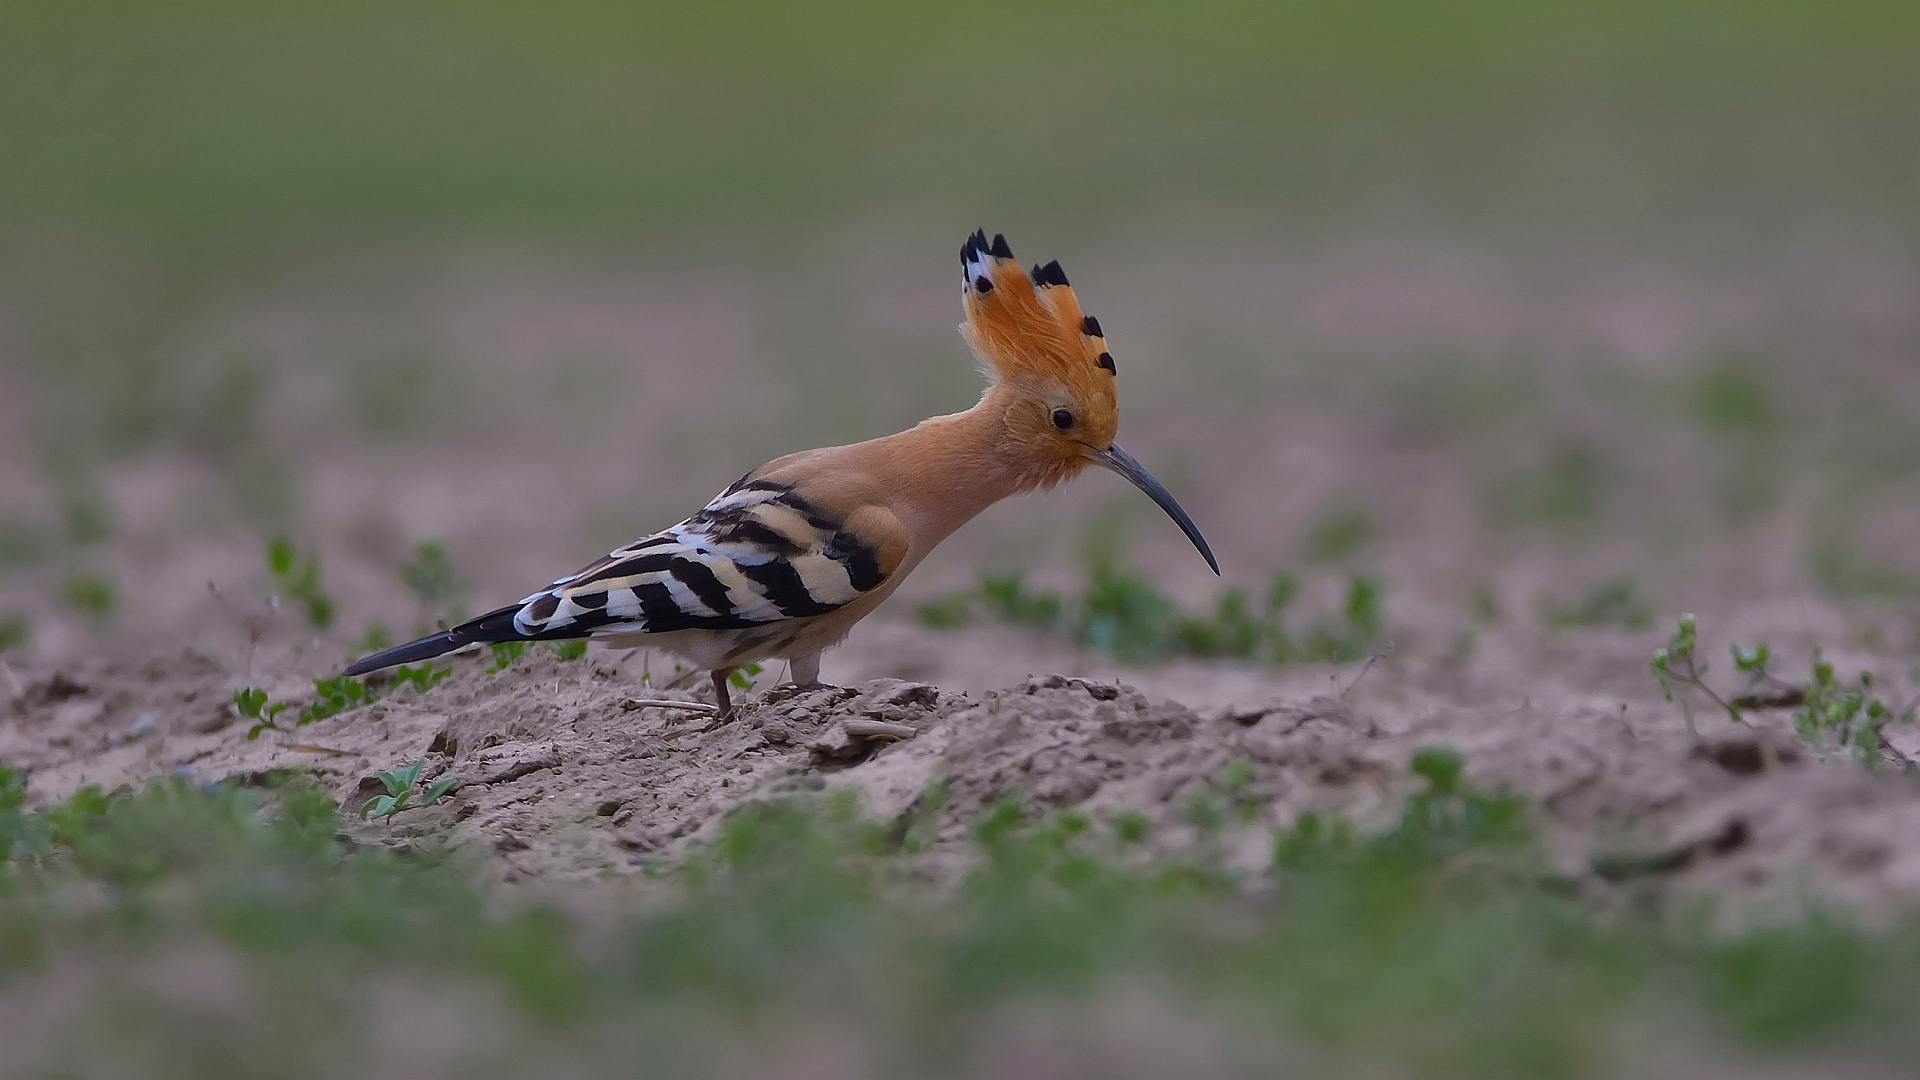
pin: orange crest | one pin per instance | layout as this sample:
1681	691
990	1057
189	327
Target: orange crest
1030	327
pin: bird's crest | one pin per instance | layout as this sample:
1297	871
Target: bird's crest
1025	326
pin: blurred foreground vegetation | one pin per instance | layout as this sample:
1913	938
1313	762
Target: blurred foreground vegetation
221	930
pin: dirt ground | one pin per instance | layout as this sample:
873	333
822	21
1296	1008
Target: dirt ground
566	773
634	394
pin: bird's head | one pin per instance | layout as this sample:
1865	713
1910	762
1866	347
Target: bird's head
1051	372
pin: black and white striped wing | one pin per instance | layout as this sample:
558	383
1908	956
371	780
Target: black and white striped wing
758	554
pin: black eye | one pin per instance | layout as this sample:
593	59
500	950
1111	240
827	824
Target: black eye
1062	419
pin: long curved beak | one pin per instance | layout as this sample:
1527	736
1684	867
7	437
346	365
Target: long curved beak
1122	462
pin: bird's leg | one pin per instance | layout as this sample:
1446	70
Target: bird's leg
806	671
720	697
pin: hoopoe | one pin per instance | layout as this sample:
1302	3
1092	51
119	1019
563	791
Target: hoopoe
784	562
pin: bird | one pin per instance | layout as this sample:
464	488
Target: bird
786	560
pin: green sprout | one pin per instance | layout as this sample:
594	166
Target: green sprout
424	678
252	704
743	676
1824	704
431	579
296	576
400	785
504	654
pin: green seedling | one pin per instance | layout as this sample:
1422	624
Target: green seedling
1007	599
1121	613
567	650
91	594
401	785
743	676
1338	534
375	638
334	696
1851	713
431	578
423	678
1824	705
251	702
949	612
504	654
15	632
296	577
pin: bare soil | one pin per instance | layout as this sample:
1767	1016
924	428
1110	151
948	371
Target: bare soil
567	773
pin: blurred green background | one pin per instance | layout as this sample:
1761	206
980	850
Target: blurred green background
1498	276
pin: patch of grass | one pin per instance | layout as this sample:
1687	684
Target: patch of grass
567	650
1731	396
91	593
87	517
1564	491
1122	613
440	593
331	697
504	654
1615	601
1435	947
21	544
15	632
1337	534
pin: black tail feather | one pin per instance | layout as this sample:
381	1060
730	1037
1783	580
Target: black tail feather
496	625
424	649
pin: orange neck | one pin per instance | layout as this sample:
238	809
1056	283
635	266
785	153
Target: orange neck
945	470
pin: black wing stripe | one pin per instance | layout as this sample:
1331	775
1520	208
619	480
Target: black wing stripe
780	583
863	565
628	567
756	534
701	581
812	514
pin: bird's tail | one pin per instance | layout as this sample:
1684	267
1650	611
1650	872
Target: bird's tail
494	626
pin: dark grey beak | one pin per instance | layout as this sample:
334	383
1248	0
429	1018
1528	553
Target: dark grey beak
1122	462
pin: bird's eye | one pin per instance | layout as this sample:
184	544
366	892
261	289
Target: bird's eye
1062	419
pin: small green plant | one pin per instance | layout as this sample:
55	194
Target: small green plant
401	785
430	577
1123	614
1614	602
1824	705
1338	533
743	676
87	517
1850	712
296	577
949	612
504	654
1006	598
372	640
423	678
15	632
90	593
251	702
332	696
567	650
1002	596
1355	631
